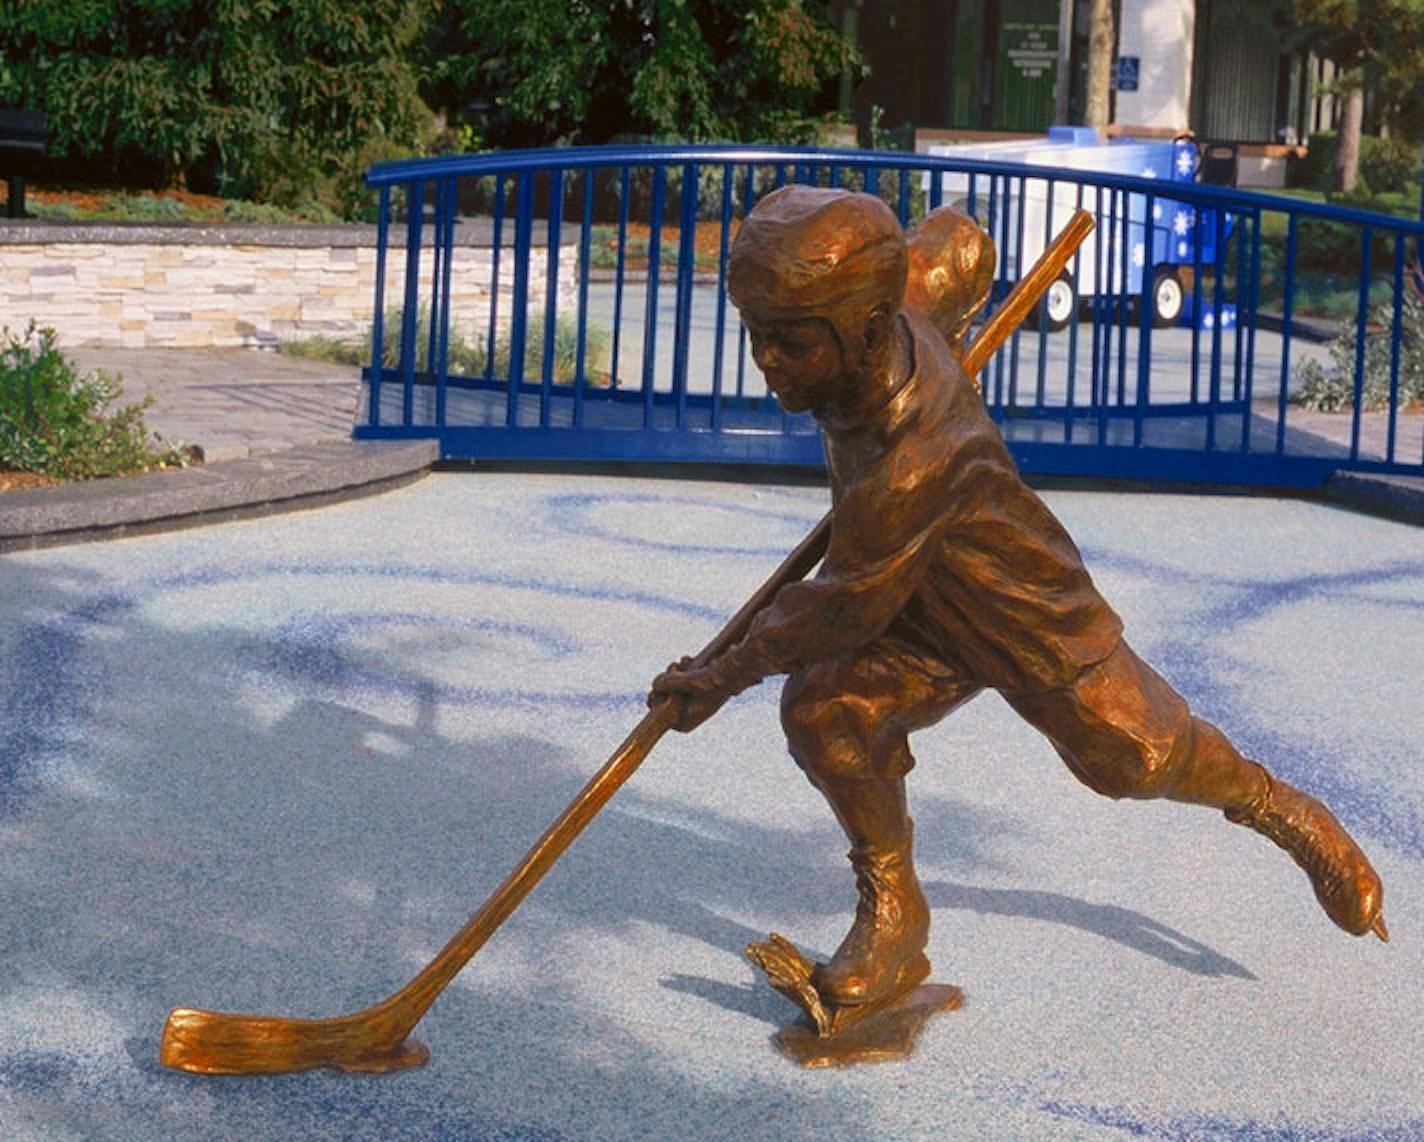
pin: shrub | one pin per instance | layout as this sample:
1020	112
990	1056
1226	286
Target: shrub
1331	388
1390	164
58	423
1385	164
1337	247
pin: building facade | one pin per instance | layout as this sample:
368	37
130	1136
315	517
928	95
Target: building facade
1219	69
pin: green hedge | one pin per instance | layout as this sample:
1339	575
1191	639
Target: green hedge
1385	164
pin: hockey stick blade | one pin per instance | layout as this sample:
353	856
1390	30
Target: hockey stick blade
221	1043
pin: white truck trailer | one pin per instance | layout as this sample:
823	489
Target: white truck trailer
1022	215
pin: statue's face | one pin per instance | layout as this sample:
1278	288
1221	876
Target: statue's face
800	357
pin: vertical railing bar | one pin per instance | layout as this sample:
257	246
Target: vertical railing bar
1396	347
1237	339
519	303
686	264
904	196
618	275
1124	299
1198	296
1107	289
1362	320
378	318
1253	299
448	213
935	198
650	308
1287	322
1102	267
585	252
1041	385
991	224
1075	276
414	220
719	334
1217	285
999	216
496	253
553	245
748	196
437	258
1147	319
1015	340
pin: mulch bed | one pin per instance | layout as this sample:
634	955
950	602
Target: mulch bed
19	481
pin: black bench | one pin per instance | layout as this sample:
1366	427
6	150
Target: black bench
23	136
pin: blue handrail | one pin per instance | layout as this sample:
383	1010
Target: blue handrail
588	353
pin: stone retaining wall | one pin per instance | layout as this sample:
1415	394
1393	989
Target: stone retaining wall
142	286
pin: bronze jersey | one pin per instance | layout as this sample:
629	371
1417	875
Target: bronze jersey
937	543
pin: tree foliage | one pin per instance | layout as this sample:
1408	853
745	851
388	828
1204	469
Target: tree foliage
1374	43
290	101
282	99
594	70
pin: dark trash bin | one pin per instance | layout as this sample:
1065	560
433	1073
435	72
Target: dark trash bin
1218	164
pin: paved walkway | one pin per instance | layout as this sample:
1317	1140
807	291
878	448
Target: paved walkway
275	432
272	766
234	403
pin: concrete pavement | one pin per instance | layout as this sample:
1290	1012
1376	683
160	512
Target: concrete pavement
272	766
234	403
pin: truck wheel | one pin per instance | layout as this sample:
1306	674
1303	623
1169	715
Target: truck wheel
1058	307
1167	297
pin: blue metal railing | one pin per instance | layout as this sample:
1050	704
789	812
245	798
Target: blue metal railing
569	304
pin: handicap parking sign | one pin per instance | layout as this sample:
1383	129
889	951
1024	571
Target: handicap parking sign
1127	69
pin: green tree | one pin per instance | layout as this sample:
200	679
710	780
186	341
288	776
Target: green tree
1373	43
594	70
285	99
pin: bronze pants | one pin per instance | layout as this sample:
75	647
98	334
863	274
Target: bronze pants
1121	729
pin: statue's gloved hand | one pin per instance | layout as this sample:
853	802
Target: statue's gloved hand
700	691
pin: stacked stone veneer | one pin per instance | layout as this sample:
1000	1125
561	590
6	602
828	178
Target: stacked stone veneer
140	286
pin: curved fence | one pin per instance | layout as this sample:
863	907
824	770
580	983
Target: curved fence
1203	333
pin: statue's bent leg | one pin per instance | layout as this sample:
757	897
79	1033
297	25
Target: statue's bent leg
846	724
1125	732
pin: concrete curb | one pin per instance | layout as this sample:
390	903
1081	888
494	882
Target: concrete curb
307	476
317	474
1396	497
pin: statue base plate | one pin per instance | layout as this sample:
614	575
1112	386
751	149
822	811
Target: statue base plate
830	1036
885	1035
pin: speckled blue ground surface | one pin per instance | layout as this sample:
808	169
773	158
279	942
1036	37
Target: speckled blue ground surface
272	766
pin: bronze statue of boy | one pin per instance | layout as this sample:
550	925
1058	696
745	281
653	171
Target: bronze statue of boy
945	575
